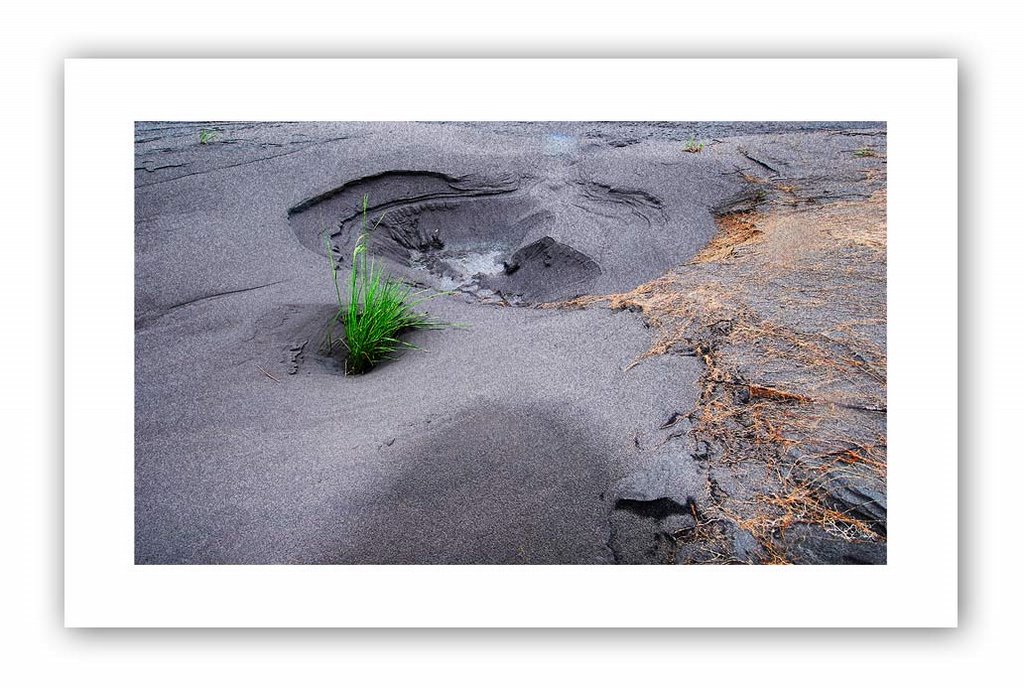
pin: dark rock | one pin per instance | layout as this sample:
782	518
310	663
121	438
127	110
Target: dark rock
859	502
651	507
812	545
745	547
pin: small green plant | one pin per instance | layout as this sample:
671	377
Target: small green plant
378	310
206	136
693	146
865	152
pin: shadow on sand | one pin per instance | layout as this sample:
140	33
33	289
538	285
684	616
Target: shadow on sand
493	485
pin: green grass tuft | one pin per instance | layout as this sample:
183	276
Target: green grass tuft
693	146
378	310
865	152
206	136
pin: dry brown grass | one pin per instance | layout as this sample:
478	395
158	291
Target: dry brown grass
820	377
734	230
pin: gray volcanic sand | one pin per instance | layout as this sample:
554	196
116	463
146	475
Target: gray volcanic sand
509	441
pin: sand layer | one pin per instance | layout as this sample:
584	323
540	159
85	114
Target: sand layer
532	435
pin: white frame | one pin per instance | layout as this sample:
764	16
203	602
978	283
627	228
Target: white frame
103	587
